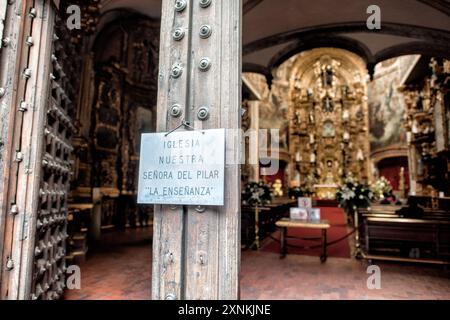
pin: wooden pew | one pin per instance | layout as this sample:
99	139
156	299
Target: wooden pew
383	234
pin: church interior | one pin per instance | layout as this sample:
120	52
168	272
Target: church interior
356	120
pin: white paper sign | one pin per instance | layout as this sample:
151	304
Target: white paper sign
298	213
182	168
305	202
314	214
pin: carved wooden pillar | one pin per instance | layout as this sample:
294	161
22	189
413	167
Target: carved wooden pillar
196	251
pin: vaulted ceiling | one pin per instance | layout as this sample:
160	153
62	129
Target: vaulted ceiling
274	30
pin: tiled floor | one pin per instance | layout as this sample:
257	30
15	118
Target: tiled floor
121	269
264	276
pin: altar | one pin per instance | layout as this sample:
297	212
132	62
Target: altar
326	191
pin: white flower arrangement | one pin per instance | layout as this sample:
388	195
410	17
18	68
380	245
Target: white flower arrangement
381	189
352	195
256	194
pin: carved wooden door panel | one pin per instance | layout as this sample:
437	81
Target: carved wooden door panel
33	204
51	226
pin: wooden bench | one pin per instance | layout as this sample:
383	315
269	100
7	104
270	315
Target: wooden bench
286	223
383	234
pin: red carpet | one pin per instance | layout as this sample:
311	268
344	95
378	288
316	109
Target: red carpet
337	219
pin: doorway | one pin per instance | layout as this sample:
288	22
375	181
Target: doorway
117	105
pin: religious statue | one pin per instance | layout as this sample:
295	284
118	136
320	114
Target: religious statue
327	104
329	179
297	118
327	74
311	117
360	155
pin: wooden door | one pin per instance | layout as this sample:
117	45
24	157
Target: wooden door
38	164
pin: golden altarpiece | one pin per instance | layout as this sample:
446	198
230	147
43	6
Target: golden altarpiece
318	102
328	120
